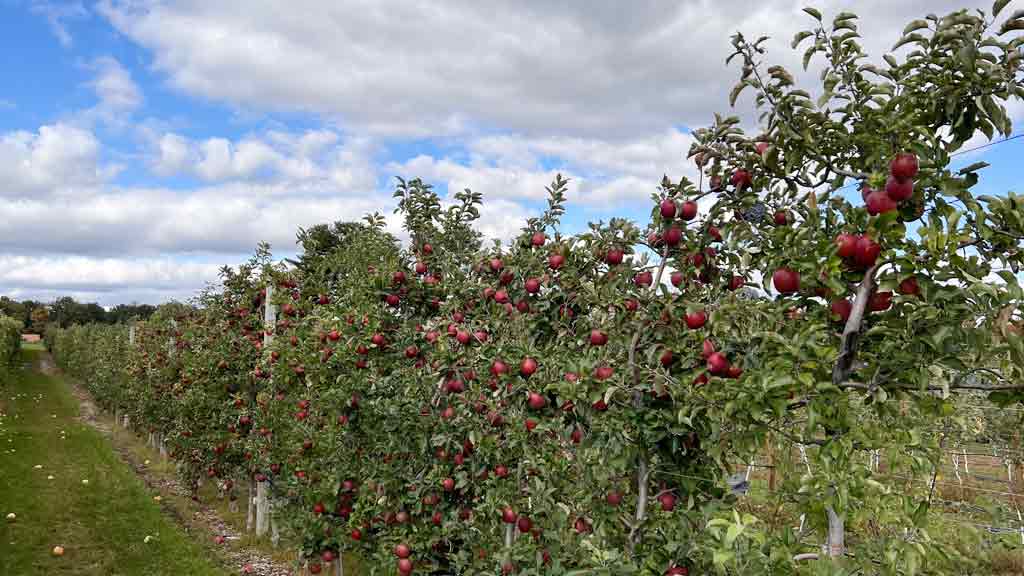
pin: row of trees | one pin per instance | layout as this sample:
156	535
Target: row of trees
10	341
574	404
66	311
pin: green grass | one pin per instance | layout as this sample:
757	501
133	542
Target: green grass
102	525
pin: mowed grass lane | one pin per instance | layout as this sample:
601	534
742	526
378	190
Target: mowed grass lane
62	480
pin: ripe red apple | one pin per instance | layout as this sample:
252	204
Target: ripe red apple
632	305
536	401
428	249
741	179
899	189
761	147
909	287
676	278
508	515
448	484
315	568
530	424
501	471
555	261
842	309
598	338
867	252
327	556
707	349
666	358
524	524
668	501
718	363
537	239
904	165
668	209
644	279
677	571
356	534
688	211
613	257
846	245
673	236
403	550
324	299
582	526
614	498
603	372
786	280
532	286
878	202
695	320
404	566
319	508
715	234
599	405
527	367
498	368
781	218
411	351
880	301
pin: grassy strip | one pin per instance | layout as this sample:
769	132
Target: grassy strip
68	488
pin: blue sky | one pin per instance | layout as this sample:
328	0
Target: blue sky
147	142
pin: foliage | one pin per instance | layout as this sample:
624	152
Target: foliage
597	389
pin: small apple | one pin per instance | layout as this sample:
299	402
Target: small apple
614	256
878	202
668	209
696	320
909	287
904	165
899	189
842	309
527	367
688	211
537	239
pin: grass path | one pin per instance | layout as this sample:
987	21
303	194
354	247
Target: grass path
68	488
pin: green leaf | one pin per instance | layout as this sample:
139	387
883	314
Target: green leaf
973	167
814	13
735	93
910	38
732	533
998	6
915	25
800	37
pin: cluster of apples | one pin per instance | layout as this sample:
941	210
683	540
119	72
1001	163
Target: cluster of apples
899	186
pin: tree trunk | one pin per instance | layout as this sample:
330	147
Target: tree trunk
835	547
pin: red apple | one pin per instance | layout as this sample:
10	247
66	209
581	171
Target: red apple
718	363
598	338
536	401
880	301
688	211
673	236
904	165
695	320
786	280
537	239
555	261
842	309
668	209
899	189
909	287
532	286
448	484
781	218
846	245
741	179
527	367
613	498
603	372
879	202
613	257
867	252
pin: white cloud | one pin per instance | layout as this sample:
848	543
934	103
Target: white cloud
603	68
57	14
57	159
108	280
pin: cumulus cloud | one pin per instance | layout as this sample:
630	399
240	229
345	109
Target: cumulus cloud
602	68
56	159
107	280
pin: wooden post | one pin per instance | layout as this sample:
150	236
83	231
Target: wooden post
262	488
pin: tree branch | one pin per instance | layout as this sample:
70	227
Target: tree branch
851	332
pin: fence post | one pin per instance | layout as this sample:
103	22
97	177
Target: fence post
262	488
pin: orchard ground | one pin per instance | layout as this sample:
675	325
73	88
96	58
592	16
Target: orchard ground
73	479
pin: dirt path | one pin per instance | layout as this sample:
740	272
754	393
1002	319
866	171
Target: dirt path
199	519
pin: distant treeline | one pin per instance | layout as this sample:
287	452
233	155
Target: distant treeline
66	311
